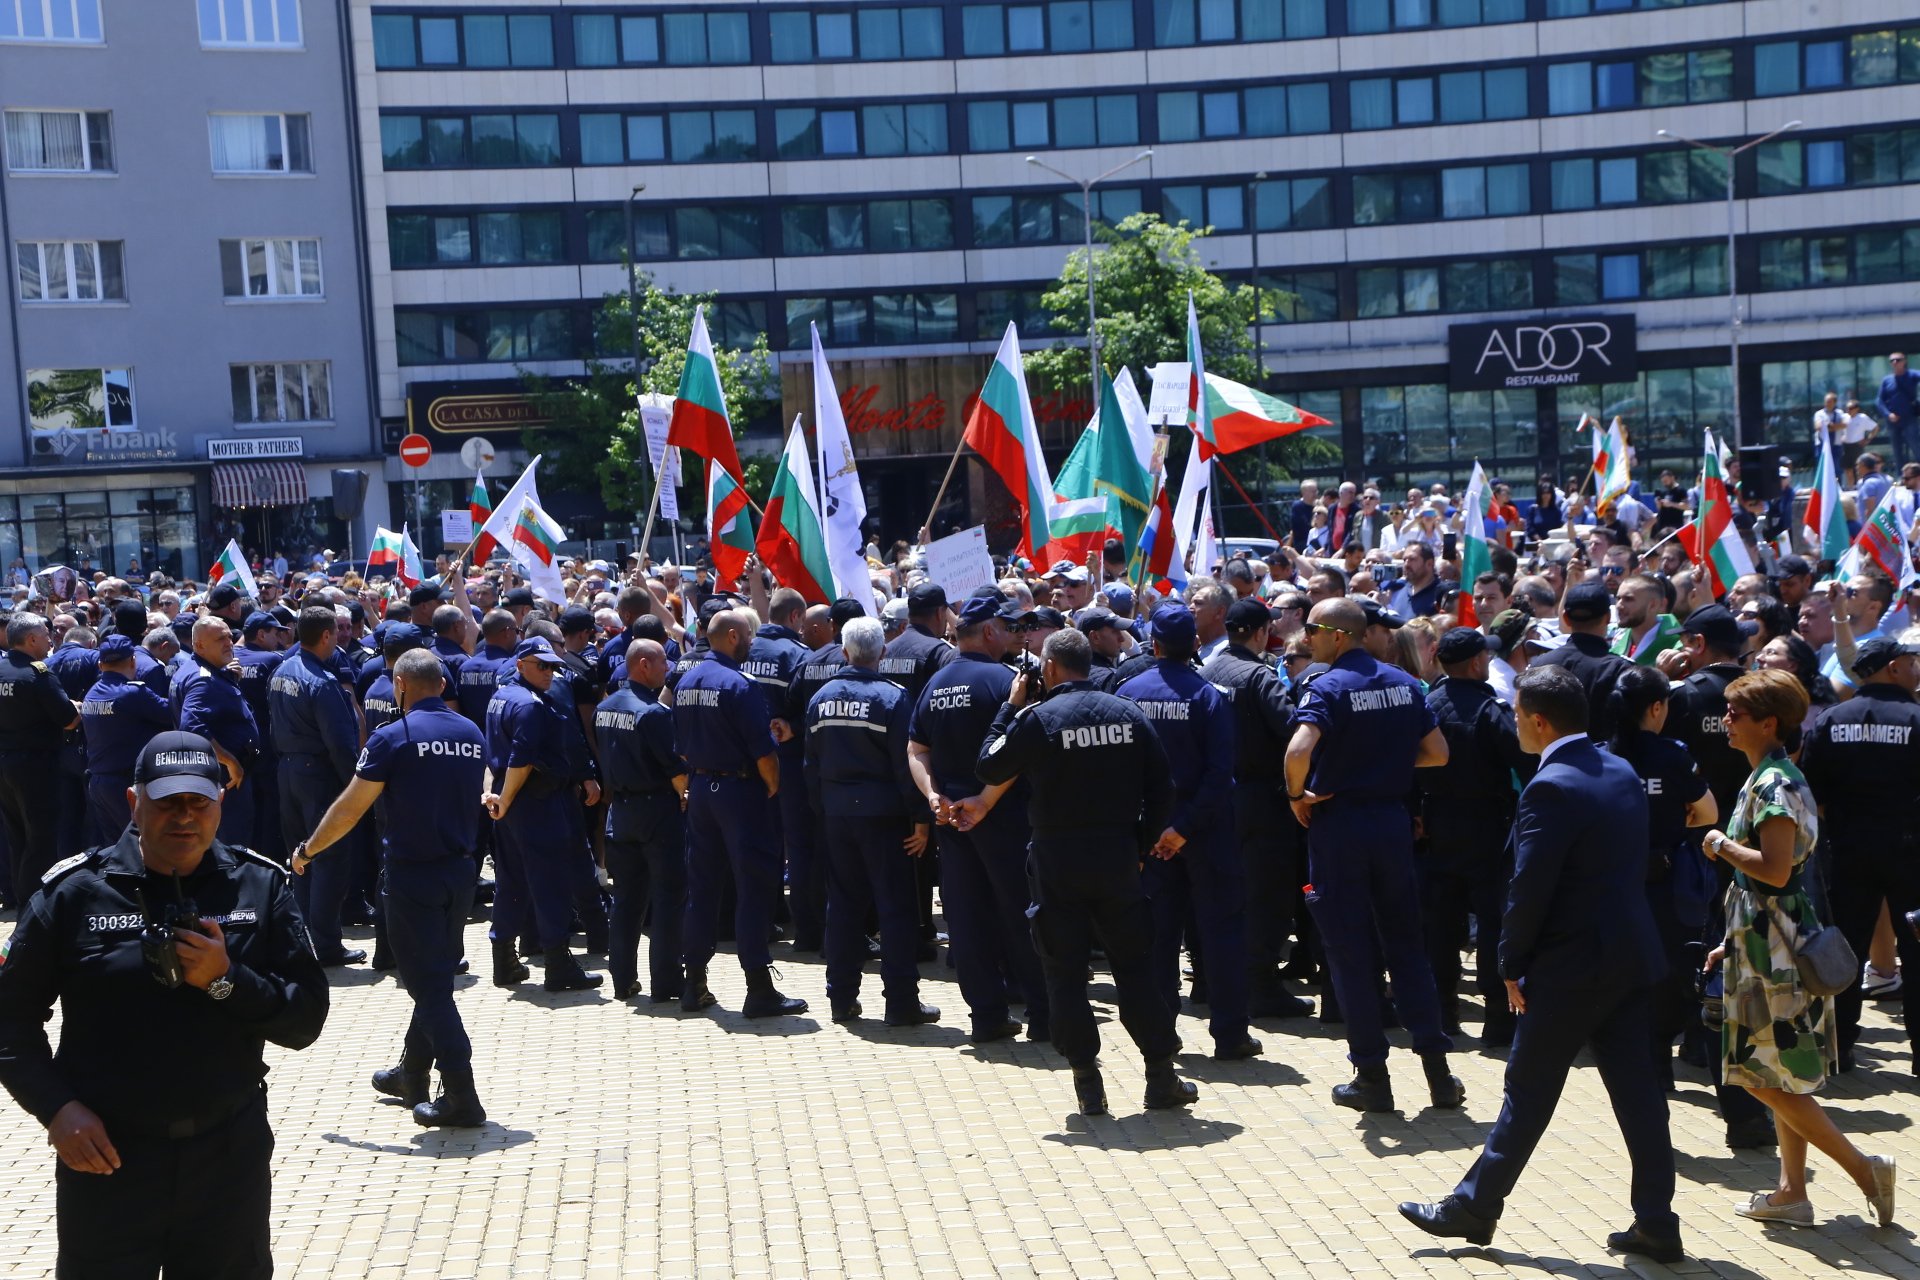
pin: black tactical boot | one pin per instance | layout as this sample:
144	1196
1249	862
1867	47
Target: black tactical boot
565	974
1166	1089
912	1015
1443	1085
411	1082
1371	1089
763	1001
1090	1089
458	1106
694	996
507	969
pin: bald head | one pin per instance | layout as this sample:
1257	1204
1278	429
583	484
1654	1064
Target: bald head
731	631
213	640
817	630
647	664
786	608
1342	613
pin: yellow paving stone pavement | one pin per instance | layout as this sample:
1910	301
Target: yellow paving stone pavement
633	1140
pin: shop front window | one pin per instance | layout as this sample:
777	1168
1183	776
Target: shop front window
108	531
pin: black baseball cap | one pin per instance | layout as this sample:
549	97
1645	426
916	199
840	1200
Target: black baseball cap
1095	619
1792	567
1173	622
1378	615
1876	653
398	637
1586	602
1045	616
845	610
926	597
536	648
977	609
425	594
1247	614
518	596
258	621
173	764
715	605
222	596
1462	644
575	619
1717	625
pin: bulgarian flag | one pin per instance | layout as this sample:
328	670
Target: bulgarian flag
1001	429
1106	487
1711	540
1476	557
411	569
700	409
479	507
1199	406
386	552
1883	544
232	563
1241	417
1599	443
1617	477
535	545
730	540
1826	525
791	542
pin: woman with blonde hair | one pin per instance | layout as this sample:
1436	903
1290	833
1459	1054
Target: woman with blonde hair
1778	1040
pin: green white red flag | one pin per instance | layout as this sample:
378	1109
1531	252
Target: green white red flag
232	563
1199	411
791	542
1476	557
1711	540
496	531
1826	523
730	528
1614	482
1241	417
1106	487
479	507
700	409
386	553
535	547
1001	429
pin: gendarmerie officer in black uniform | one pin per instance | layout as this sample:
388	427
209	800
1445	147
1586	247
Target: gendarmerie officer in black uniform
646	785
1862	761
807	885
434	759
35	714
154	1100
1100	797
1268	836
1466	807
911	660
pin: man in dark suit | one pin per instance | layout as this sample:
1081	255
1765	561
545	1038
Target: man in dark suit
1579	952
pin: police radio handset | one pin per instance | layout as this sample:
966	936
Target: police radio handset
158	946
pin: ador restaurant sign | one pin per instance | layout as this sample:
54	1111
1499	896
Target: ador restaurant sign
1550	352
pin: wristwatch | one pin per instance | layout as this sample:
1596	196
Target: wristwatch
221	987
1714	841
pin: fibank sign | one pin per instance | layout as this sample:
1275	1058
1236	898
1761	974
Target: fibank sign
1561	351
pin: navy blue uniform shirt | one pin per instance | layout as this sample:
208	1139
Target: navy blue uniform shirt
1673	782
953	717
118	717
816	668
525	729
432	761
1862	762
480	675
378	706
256	672
1195	726
1372	718
76	667
1092	763
208	701
638	762
34	709
683	664
857	749
313	713
773	657
720	719
913	656
1262	713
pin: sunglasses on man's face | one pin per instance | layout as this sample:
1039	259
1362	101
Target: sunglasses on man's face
1312	627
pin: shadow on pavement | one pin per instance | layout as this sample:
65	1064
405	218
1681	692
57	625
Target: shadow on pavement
442	1144
1145	1130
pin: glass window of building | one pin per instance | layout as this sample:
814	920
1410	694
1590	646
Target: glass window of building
477	336
68	21
1451	98
260	144
79	399
224	24
59	142
1185	22
270	268
282	393
71	270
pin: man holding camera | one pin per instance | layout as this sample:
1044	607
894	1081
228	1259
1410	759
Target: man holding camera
175	958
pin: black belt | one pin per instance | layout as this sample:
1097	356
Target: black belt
657	794
200	1122
741	774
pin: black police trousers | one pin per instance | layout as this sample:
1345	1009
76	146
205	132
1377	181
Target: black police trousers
30	809
1866	869
426	906
1086	885
191	1207
870	872
649	882
984	892
1269	841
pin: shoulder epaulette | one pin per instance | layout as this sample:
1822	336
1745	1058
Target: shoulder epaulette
241	851
63	866
41	667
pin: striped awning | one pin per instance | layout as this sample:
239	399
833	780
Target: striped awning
259	484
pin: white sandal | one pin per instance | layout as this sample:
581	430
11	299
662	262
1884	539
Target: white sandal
1760	1208
1882	1197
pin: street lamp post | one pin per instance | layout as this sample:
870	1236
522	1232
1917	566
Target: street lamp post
1086	186
633	285
1259	334
1733	277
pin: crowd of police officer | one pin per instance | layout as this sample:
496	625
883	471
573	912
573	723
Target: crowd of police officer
1155	794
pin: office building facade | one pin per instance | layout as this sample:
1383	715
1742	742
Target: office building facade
185	342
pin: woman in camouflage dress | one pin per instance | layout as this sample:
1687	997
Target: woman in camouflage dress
1778	1040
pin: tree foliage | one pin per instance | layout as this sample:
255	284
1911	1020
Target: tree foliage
1140	284
595	440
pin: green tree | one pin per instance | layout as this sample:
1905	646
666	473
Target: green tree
1140	283
594	439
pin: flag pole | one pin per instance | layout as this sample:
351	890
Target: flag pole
939	496
659	482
